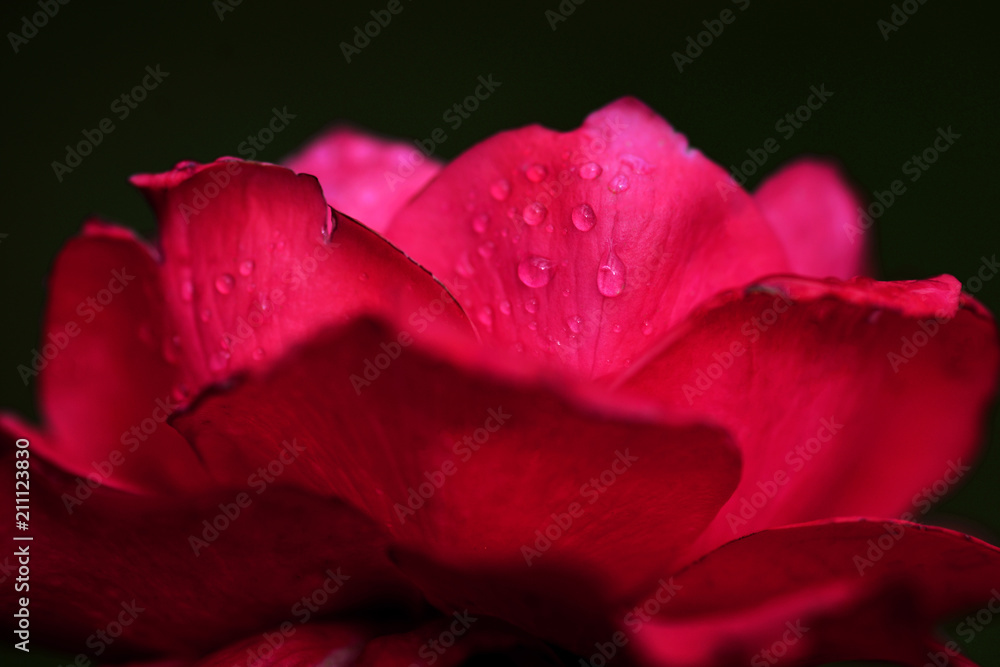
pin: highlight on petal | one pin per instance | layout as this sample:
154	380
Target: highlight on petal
579	248
475	466
849	589
817	215
184	576
366	177
847	398
256	262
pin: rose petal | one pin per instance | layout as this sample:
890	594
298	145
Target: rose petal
255	262
195	573
666	228
470	464
829	385
811	593
366	177
109	379
814	212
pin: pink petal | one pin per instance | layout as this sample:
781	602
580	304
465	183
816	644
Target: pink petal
586	288
110	378
195	573
813	593
854	398
255	262
468	464
366	177
815	213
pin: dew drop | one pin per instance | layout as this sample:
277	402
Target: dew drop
536	173
535	271
584	217
206	315
187	290
500	190
574	323
362	276
171	349
464	266
480	223
590	171
617	328
533	326
180	392
550	228
258	354
329	225
647	328
534	213
637	164
618	184
531	305
218	361
224	284
246	267
487	249
485	317
611	275
505	307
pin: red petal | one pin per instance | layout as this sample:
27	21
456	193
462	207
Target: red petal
189	589
498	225
412	446
796	593
850	381
108	383
815	213
254	263
366	177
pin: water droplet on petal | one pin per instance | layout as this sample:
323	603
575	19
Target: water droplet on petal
535	271
485	317
590	171
534	213
464	266
584	217
505	307
187	290
500	190
486	249
258	354
362	276
533	326
481	222
180	392
618	184
206	315
647	328
246	267
617	328
171	348
218	361
329	225
224	283
637	164
611	275
536	173
186	165
531	305
574	323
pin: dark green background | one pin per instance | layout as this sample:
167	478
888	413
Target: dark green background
225	76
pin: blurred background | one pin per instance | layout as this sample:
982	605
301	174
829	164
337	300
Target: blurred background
226	64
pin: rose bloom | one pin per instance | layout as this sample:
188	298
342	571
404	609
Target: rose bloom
573	398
